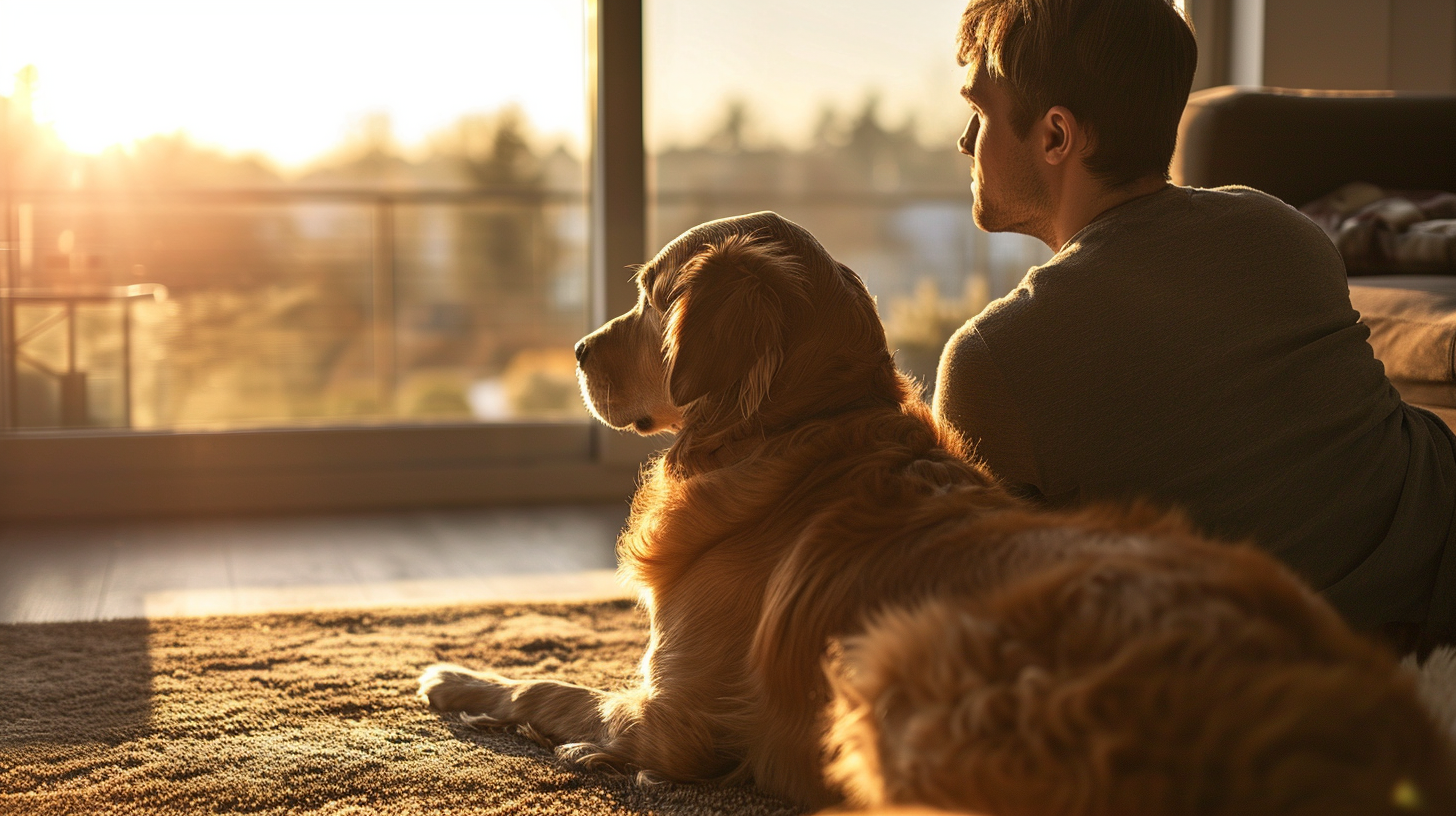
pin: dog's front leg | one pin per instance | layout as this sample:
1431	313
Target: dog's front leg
559	712
628	731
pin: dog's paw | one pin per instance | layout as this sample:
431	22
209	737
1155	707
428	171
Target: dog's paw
483	721
448	687
525	730
650	779
591	757
437	682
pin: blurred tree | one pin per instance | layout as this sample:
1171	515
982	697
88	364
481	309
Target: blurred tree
728	137
502	246
34	156
368	156
504	251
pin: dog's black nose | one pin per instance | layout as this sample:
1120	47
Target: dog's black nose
581	351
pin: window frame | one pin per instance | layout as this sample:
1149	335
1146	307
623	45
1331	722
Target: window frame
130	473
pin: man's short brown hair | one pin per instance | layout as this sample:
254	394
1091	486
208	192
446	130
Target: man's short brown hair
1122	67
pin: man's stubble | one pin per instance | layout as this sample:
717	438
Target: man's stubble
1020	203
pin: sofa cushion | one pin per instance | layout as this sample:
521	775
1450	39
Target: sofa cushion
1412	320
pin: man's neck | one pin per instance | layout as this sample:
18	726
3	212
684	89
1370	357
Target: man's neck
1084	198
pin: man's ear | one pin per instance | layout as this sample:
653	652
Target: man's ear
1060	135
725	328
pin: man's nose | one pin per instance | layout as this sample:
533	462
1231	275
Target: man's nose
967	143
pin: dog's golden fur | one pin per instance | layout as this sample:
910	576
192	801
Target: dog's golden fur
842	605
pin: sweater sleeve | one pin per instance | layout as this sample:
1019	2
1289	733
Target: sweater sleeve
972	396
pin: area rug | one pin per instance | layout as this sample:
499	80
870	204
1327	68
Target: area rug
316	713
308	713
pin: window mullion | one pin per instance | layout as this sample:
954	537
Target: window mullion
618	179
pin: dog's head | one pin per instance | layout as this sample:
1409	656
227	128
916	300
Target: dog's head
741	321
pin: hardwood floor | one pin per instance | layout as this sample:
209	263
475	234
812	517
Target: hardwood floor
58	571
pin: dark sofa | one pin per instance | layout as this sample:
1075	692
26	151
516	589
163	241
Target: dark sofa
1301	145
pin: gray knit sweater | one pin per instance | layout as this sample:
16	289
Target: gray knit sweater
1198	348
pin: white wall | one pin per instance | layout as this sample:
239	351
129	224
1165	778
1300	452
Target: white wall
1423	45
1343	44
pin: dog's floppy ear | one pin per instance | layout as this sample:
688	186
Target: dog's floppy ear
725	327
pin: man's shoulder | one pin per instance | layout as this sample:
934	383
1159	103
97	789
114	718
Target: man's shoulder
1181	250
1198	209
1255	230
1234	231
1234	193
1243	210
1013	319
1243	200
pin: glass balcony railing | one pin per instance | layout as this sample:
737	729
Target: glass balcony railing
295	306
288	307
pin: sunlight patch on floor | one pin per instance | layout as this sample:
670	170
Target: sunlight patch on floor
588	585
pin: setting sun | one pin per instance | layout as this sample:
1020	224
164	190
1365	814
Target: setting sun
288	79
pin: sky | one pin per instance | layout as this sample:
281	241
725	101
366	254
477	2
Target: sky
787	58
292	78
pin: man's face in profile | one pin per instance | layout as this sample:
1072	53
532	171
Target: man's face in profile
1010	195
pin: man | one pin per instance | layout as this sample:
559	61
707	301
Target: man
1192	347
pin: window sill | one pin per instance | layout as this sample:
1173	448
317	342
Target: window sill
102	474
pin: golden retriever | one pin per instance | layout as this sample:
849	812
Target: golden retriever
842	606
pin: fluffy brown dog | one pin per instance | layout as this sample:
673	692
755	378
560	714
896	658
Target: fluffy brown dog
832	586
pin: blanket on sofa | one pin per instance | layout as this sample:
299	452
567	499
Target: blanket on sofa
1384	232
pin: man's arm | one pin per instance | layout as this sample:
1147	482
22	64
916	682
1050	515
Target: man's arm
972	396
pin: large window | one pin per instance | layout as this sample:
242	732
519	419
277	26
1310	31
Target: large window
314	254
233	215
842	117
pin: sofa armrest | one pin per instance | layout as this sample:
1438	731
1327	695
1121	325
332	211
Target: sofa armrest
1300	145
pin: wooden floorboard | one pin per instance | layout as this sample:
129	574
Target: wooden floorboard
52	571
54	574
153	557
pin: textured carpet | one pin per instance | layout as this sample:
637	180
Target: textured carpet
311	713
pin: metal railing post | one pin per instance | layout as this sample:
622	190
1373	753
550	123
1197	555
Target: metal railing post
126	363
10	404
385	350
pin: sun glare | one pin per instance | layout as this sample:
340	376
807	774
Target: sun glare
292	79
